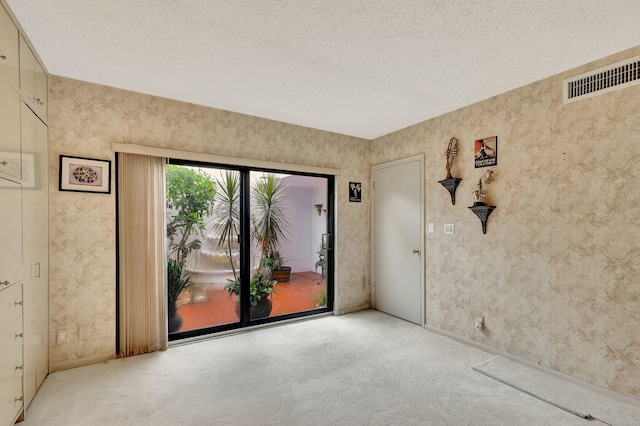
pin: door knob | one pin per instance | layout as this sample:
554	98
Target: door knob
415	251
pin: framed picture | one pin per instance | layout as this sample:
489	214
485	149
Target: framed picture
486	152
85	175
355	192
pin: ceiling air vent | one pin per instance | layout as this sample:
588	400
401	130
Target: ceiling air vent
606	79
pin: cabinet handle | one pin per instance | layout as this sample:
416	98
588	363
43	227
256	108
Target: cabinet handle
37	270
4	163
5	282
3	57
19	334
19	367
19	399
18	303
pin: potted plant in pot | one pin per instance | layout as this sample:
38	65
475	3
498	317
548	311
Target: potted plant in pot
190	195
279	272
260	288
270	223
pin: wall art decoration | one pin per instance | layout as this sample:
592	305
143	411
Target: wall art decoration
486	152
355	192
85	175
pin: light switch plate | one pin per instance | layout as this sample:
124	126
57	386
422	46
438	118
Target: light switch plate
432	228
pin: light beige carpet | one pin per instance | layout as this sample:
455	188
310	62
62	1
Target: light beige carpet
366	368
565	395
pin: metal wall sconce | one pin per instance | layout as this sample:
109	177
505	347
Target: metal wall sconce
320	210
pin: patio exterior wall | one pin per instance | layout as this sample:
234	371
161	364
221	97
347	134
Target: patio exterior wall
86	119
556	275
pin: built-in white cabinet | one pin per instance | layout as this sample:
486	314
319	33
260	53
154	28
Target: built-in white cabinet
33	81
10	157
35	200
24	223
9	48
11	356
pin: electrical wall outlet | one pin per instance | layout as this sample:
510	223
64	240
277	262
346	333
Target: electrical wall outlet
62	337
479	325
449	228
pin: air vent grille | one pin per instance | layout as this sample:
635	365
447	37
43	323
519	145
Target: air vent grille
613	77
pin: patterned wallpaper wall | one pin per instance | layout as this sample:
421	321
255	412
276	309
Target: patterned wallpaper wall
86	119
557	274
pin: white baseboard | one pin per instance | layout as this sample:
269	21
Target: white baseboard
604	391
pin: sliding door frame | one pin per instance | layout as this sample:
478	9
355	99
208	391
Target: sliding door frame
245	249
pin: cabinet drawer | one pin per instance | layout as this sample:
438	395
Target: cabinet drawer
9	60
12	342
11	390
10	304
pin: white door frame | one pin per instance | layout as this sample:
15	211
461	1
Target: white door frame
419	158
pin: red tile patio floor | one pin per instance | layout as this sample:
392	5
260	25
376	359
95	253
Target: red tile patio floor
210	305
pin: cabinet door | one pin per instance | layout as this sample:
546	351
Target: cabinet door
33	80
9	60
42	92
36	255
10	232
10	157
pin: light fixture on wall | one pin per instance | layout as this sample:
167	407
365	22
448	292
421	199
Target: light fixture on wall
319	209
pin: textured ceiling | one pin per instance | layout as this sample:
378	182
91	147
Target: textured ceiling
358	67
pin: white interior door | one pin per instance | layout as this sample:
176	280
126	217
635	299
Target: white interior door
397	234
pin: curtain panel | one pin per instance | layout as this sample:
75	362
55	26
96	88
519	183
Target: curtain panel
142	295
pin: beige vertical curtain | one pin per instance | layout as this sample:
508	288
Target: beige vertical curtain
142	296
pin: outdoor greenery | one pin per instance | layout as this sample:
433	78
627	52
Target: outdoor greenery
270	220
270	224
261	286
320	300
193	196
190	194
226	213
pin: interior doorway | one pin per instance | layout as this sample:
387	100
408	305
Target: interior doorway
245	246
398	238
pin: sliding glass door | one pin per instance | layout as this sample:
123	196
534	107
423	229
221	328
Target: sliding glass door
233	232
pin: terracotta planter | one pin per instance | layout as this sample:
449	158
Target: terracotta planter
281	275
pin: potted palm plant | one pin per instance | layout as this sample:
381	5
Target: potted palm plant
190	195
270	219
226	214
270	223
